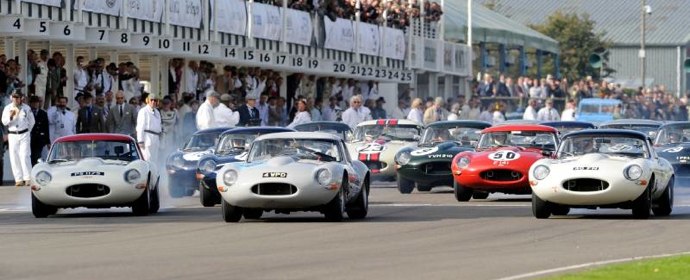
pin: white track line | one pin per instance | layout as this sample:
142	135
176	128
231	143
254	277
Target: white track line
588	265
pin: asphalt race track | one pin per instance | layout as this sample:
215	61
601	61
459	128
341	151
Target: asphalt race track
422	235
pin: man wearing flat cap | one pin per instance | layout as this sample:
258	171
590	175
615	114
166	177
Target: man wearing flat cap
249	114
224	116
205	117
149	128
40	133
19	120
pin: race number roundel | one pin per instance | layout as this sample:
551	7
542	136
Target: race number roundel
673	150
504	155
371	148
424	151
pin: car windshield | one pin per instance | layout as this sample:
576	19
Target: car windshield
527	139
107	150
673	134
235	143
300	149
201	142
563	130
372	132
612	145
437	134
644	128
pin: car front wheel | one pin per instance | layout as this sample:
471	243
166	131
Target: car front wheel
40	209
336	207
664	205
643	204
540	208
461	193
231	214
155	201
405	186
207	198
360	207
142	205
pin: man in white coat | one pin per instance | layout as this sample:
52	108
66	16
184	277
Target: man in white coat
62	122
356	113
548	113
19	120
530	111
223	115
205	117
149	129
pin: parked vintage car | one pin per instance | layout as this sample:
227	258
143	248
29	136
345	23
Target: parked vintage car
427	164
376	142
500	163
565	127
232	146
648	127
596	110
340	129
295	171
181	165
94	171
673	144
604	168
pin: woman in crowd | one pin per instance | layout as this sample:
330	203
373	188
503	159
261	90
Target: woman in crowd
417	112
302	115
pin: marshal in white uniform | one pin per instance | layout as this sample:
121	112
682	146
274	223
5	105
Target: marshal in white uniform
149	128
19	120
62	122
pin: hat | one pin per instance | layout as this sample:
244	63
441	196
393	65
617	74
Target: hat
212	93
225	97
250	96
154	96
381	99
17	93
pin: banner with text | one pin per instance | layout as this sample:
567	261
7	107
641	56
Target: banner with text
299	27
185	13
232	16
266	22
393	43
108	7
369	39
54	3
340	35
151	10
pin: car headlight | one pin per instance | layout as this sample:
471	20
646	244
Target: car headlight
540	172
177	161
43	178
463	162
324	177
230	177
633	172
404	158
207	166
132	175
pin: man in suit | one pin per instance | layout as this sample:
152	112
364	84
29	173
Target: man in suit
90	117
40	133
249	114
122	117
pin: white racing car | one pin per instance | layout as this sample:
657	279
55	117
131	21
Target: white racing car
295	171
94	171
603	168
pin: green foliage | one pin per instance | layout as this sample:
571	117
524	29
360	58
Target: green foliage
665	268
577	40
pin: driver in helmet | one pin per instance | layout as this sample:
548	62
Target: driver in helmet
499	139
674	137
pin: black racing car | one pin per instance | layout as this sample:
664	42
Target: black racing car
336	128
181	165
673	144
232	147
648	127
428	164
564	127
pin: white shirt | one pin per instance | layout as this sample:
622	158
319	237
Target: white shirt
191	79
300	118
148	119
416	115
61	123
224	116
399	113
568	115
330	114
498	117
205	117
81	79
42	77
352	117
23	118
530	113
453	117
545	114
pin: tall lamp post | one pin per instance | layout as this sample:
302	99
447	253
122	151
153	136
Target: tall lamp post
645	10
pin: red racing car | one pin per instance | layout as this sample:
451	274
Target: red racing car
501	161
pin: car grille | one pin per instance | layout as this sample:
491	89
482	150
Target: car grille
87	190
375	166
501	175
585	185
437	168
274	189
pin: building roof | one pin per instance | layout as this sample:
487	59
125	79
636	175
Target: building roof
620	19
491	27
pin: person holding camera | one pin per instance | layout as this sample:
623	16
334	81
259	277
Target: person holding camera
19	120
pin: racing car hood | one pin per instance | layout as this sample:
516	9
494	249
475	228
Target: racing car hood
279	167
90	167
507	156
445	150
675	153
194	156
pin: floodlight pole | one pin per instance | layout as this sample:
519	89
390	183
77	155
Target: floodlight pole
642	42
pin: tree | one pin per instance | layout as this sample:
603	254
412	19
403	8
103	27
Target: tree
577	41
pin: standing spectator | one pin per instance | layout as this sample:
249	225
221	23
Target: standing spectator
205	117
502	89
486	115
40	133
530	111
81	76
356	113
168	124
454	112
332	111
249	114
400	112
90	117
19	120
274	112
302	115
568	113
263	109
348	90
486	88
41	78
436	112
189	120
314	108
378	112
416	113
471	111
191	77
149	129
122	118
62	121
498	114
548	113
224	116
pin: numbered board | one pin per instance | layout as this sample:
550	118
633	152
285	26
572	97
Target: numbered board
148	42
11	24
